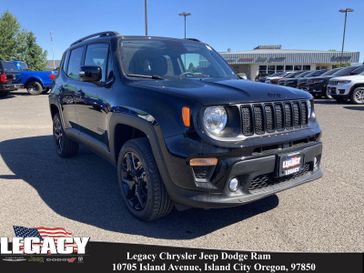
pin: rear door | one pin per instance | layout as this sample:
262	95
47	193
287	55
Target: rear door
70	89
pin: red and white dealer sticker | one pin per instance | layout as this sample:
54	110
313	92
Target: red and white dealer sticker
291	164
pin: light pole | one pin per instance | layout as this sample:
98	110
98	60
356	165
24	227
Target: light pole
343	43
146	16
185	14
54	62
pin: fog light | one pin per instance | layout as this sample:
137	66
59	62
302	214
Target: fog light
233	184
315	163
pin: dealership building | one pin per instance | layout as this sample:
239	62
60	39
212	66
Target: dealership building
268	59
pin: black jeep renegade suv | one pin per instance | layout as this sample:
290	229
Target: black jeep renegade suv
179	126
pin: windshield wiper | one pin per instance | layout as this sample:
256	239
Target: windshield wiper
153	77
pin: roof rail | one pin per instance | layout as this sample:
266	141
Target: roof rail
99	34
193	39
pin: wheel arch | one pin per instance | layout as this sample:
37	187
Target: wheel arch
141	126
33	79
356	86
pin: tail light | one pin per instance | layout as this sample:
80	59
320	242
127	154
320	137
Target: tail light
52	76
3	78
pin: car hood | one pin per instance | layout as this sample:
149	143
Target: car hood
223	91
320	78
349	78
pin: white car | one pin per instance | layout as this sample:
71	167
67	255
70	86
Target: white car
276	77
347	88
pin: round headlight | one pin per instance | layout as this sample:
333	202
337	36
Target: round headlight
309	109
215	119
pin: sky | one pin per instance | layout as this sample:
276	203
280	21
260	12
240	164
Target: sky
234	24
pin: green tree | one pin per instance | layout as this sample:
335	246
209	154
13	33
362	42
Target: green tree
17	44
30	52
9	31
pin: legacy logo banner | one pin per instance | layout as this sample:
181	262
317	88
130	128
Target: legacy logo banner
43	240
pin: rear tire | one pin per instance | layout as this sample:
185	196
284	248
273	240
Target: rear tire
142	188
357	96
65	147
34	88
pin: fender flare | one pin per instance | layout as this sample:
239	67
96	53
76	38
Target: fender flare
151	129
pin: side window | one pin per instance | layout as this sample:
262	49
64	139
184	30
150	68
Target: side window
74	63
110	67
65	61
96	55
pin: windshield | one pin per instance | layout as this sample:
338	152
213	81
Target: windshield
293	75
344	71
304	74
330	72
172	59
317	73
8	67
358	70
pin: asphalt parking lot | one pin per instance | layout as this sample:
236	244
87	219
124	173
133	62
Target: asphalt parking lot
80	194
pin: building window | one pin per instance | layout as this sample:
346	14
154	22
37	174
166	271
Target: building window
280	68
271	69
262	70
306	67
297	67
289	67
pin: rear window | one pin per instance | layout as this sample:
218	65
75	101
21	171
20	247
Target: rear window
8	67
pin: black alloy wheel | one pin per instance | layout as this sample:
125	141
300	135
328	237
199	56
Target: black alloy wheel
134	181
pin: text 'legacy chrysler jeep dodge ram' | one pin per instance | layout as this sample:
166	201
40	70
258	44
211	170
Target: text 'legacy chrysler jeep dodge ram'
182	130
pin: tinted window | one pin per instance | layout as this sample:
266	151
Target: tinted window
317	73
358	70
8	67
344	71
65	61
173	59
330	72
110	67
96	55
74	64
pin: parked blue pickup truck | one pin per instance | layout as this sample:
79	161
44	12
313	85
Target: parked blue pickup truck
36	82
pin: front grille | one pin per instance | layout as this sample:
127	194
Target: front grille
271	117
266	180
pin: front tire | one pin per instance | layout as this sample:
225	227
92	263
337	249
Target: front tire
65	147
357	96
142	188
327	94
340	100
4	94
34	88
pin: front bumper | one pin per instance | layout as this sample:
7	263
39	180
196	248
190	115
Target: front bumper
256	175
339	90
316	88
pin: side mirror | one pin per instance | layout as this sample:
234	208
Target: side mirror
90	73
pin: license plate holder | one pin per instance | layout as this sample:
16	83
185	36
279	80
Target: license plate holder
290	163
